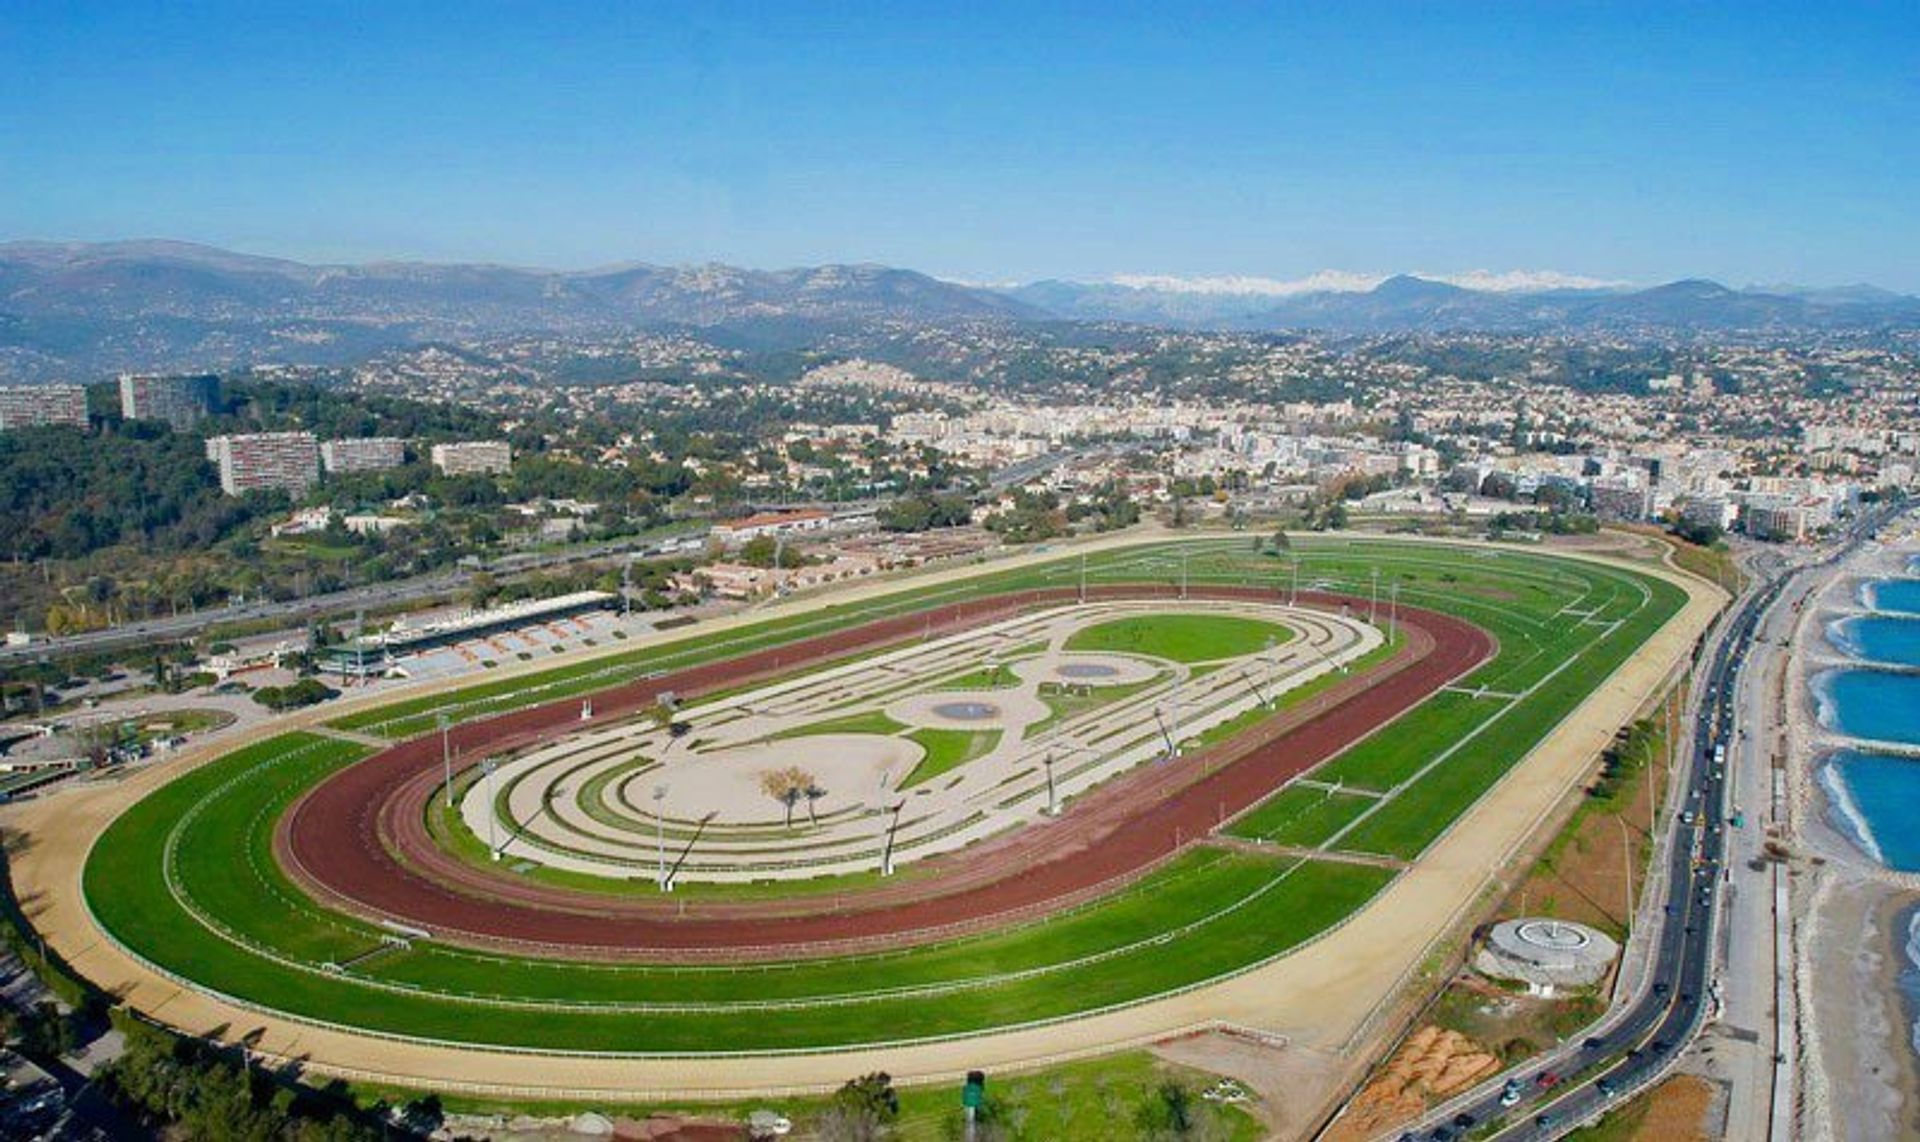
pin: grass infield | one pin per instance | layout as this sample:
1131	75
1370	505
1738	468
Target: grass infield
1181	637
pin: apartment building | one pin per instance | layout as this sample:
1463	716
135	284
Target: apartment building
289	461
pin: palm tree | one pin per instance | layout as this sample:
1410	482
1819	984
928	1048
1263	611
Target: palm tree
813	792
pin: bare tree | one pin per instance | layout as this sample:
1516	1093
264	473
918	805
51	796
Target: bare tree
789	786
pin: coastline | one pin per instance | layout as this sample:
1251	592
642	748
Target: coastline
1856	1022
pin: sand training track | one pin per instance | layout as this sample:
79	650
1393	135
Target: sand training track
1324	994
359	840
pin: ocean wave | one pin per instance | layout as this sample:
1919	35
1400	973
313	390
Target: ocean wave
1840	637
1826	711
1847	812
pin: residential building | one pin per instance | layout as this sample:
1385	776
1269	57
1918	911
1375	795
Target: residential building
26	406
289	461
363	454
473	457
178	400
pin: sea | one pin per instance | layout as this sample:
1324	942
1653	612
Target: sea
1901	595
1862	702
1874	798
1887	639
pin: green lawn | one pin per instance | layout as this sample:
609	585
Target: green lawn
872	722
947	749
1180	637
1299	815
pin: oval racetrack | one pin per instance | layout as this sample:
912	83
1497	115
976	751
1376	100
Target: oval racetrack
359	839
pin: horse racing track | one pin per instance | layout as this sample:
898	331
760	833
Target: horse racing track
1086	797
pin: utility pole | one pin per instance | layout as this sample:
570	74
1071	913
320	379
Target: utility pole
1053	797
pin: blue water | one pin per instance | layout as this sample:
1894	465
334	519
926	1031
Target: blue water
1879	638
1874	799
1894	595
1872	704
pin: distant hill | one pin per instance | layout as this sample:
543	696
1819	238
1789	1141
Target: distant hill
150	304
79	310
1412	304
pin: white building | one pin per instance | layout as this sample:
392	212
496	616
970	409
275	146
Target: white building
473	457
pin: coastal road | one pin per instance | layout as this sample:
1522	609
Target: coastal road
1636	1044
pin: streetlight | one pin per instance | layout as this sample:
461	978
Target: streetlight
660	832
1393	611
1053	796
1373	599
493	809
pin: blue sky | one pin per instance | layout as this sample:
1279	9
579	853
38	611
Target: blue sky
1745	142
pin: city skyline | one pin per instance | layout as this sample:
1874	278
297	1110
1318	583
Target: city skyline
1749	144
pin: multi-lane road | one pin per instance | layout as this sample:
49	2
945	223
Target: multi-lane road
1637	1043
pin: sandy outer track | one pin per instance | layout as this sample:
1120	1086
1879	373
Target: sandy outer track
1325	994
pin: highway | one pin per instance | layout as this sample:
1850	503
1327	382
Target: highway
1634	1046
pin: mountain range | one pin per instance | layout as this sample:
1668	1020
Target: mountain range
87	308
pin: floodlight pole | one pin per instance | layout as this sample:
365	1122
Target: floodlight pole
1083	578
446	758
1293	600
893	827
493	810
660	833
1183	573
1053	796
1393	611
1373	600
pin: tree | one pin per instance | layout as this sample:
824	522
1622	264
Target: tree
1280	540
813	792
862	1110
787	786
1170	1112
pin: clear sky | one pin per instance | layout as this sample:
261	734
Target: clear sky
1747	142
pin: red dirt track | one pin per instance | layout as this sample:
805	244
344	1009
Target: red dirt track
359	839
